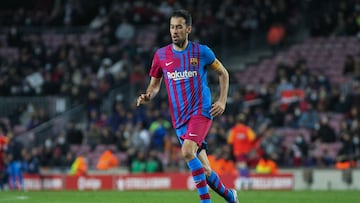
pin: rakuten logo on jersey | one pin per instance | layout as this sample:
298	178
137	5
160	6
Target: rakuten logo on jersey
176	75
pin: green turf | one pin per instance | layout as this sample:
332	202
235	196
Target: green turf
177	197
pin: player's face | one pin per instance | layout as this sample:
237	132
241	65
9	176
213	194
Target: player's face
179	31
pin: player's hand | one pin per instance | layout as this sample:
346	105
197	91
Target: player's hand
142	99
217	109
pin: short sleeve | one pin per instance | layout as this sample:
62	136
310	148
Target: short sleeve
207	54
156	70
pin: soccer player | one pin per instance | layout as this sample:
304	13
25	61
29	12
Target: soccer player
241	138
183	66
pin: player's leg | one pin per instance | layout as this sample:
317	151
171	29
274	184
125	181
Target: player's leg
188	150
19	175
12	175
214	181
243	172
191	137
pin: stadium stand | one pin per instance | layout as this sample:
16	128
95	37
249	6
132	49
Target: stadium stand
48	55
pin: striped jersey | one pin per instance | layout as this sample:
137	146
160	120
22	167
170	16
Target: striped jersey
185	77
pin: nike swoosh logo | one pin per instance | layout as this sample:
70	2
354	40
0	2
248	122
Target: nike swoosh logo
192	135
169	63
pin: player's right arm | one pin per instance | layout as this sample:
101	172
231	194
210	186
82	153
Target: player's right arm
152	90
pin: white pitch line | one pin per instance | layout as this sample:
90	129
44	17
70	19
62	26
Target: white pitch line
22	197
14	198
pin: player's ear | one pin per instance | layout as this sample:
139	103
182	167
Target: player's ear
189	29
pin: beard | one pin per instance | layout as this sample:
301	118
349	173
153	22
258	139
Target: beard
179	42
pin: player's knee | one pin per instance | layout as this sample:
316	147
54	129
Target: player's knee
188	150
187	153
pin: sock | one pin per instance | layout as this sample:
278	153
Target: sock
215	183
21	185
244	174
199	177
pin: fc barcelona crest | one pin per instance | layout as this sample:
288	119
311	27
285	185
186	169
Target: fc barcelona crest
194	61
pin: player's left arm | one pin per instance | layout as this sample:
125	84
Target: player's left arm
218	107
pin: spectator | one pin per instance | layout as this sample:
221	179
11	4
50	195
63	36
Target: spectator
353	114
221	161
68	160
61	144
356	144
153	163
141	137
15	37
93	101
266	166
104	69
125	31
322	81
355	127
235	103
270	144
46	154
276	36
346	152
73	134
107	35
31	163
299	151
309	118
276	115
138	164
338	100
107	136
93	136
100	19
324	132
107	161
349	65
284	85
57	160
159	129
138	76
118	117
79	167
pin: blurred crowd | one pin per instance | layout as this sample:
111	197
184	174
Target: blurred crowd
114	51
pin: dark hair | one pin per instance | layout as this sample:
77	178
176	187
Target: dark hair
241	118
183	14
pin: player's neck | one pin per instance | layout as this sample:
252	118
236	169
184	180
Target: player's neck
182	46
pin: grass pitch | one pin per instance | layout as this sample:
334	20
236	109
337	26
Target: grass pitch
177	197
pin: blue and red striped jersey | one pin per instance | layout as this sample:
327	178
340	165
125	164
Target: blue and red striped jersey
185	77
